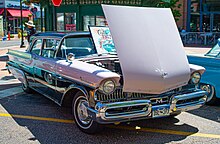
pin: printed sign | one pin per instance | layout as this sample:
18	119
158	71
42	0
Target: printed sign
2	3
1	27
102	39
15	4
71	27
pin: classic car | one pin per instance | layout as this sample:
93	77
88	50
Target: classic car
101	86
210	79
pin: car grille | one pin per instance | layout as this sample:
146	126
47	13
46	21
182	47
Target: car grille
119	95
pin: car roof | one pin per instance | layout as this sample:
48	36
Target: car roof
59	34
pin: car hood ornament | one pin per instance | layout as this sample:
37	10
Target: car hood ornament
149	48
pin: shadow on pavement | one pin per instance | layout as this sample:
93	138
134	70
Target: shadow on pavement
7	77
208	112
56	133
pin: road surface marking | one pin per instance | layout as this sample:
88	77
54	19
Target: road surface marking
36	118
173	132
10	92
151	130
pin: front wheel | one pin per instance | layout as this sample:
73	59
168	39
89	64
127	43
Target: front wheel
212	99
83	121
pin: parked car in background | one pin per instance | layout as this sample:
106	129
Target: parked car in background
210	81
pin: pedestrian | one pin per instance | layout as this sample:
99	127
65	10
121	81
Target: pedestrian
31	29
9	31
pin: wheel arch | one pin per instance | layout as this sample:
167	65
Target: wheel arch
217	91
69	94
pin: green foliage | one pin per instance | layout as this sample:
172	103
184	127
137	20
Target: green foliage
173	5
43	3
151	3
26	2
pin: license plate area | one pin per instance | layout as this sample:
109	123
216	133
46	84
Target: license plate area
160	111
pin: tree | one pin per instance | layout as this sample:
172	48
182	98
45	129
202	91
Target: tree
173	4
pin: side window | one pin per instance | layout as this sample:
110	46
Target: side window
49	47
78	46
37	47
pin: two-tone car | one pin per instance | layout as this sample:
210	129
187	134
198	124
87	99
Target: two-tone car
137	77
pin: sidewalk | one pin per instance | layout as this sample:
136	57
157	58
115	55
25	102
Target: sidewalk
4	72
196	50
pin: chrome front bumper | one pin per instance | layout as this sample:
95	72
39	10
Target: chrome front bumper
142	109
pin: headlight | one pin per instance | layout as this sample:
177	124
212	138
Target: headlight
108	87
195	78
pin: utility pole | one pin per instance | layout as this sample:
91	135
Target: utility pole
22	36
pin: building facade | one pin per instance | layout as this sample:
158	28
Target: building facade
10	11
72	15
203	15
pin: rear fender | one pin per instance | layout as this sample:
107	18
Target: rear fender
19	74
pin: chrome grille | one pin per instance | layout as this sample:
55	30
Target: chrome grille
119	95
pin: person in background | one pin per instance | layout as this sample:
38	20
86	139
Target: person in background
31	29
9	31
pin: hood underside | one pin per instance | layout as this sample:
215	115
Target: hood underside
149	48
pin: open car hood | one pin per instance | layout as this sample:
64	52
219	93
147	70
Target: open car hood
149	48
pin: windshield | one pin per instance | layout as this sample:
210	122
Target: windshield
214	51
103	40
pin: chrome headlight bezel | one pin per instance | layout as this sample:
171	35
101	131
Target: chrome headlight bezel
107	86
195	78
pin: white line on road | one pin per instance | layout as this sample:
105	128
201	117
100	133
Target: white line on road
10	92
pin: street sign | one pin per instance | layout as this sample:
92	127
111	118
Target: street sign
56	2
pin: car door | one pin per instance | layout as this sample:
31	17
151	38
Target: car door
44	69
78	47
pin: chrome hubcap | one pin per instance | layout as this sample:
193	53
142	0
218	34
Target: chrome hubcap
82	112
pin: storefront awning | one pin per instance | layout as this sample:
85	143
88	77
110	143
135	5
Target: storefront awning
17	13
1	10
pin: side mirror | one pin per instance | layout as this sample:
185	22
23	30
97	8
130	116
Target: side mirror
219	42
70	57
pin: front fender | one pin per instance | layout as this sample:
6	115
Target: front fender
194	68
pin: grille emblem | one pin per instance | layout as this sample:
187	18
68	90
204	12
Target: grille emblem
159	101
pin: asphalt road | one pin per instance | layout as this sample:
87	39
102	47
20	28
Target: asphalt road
32	118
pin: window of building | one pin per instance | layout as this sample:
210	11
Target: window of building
93	21
60	21
66	21
70	21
